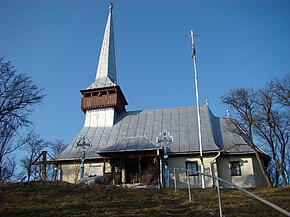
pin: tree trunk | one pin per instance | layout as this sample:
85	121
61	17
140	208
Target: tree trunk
277	171
284	178
282	170
262	168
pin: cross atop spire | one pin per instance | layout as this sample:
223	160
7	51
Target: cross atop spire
106	71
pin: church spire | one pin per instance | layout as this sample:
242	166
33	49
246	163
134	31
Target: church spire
104	97
106	71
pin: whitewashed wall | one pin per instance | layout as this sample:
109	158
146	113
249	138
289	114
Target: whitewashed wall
100	117
251	176
195	181
71	172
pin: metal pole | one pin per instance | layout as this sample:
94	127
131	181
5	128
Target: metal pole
198	110
174	179
220	198
166	166
83	165
166	176
188	184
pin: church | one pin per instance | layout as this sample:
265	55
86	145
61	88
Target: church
125	147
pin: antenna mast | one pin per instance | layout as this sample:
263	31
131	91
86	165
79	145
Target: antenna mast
198	108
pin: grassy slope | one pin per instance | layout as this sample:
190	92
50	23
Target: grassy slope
63	199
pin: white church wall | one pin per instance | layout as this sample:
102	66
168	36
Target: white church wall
100	117
181	177
259	178
250	176
71	171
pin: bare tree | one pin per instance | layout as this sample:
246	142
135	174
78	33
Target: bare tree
243	102
56	147
18	96
281	89
272	123
33	147
263	115
8	169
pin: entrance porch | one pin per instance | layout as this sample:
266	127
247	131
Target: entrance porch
130	169
133	163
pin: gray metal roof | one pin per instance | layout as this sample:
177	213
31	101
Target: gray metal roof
101	83
139	129
141	143
228	141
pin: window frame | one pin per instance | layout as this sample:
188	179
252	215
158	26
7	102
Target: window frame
187	168
234	165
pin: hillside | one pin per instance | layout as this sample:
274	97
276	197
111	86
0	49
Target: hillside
63	199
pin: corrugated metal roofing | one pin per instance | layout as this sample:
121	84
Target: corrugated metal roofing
139	129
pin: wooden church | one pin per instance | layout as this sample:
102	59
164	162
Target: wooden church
120	146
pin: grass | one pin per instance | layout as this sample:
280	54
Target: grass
64	199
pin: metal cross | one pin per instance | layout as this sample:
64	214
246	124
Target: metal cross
165	138
83	142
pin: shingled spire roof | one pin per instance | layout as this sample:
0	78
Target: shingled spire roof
106	71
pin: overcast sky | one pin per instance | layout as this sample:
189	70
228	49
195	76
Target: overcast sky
57	43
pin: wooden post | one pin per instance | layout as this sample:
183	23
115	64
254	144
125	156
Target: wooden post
121	171
174	179
139	176
104	170
43	169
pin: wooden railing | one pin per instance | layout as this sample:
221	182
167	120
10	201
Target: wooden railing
94	102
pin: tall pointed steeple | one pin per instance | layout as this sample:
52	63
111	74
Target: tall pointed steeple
103	100
106	71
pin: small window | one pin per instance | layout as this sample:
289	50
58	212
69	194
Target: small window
193	167
235	167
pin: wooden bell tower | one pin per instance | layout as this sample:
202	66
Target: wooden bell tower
103	98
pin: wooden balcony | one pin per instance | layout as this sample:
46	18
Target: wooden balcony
94	102
104	98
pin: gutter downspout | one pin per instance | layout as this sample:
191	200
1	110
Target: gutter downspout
211	170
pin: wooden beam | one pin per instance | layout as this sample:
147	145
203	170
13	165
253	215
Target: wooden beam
104	166
121	168
43	169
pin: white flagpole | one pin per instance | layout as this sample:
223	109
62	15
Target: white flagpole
198	110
